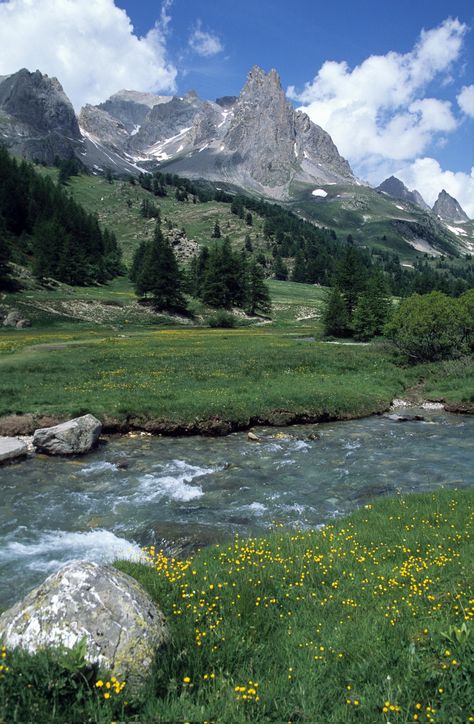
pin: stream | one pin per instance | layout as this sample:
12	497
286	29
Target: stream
138	490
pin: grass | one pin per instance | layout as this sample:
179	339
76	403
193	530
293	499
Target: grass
367	620
192	374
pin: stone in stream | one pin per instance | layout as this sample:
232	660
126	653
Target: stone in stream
69	438
84	602
11	448
404	418
253	437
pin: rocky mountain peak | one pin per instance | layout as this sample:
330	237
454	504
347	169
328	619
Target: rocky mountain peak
37	119
395	188
38	101
449	209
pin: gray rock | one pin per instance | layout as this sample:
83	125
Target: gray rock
69	438
11	448
397	190
12	319
449	209
23	324
118	621
253	437
37	119
405	418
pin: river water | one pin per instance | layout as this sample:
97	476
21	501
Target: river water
198	490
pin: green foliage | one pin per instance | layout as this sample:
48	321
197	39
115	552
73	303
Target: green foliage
149	210
223	278
5	253
156	274
222	320
373	308
432	327
336	318
41	219
57	685
216	232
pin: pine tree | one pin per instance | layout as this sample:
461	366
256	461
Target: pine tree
159	277
258	296
216	233
280	270
299	269
4	253
336	318
351	277
372	309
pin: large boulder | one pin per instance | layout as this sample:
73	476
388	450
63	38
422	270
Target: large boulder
11	448
121	626
69	438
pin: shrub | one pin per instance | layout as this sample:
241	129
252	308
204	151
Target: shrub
431	327
222	320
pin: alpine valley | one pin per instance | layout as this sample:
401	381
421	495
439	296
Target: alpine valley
256	143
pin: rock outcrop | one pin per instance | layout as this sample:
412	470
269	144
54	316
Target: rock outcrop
69	438
37	120
11	448
449	209
119	623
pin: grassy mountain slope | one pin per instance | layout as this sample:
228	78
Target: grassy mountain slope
378	221
118	204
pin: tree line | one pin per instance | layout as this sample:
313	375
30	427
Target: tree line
40	223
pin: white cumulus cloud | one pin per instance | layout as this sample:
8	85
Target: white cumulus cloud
204	43
377	111
466	100
426	175
91	47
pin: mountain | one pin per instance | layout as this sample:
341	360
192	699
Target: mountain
397	190
256	141
37	120
448	209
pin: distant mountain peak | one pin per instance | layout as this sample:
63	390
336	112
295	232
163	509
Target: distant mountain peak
392	186
448	208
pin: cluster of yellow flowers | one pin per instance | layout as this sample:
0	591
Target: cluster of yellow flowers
247	693
109	687
3	667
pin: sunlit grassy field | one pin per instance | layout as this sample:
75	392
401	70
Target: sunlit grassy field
368	620
189	374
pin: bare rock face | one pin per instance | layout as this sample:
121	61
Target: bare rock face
11	448
448	209
262	133
69	438
118	621
37	119
397	190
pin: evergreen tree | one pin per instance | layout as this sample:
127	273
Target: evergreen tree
335	317
159	277
216	233
248	243
248	219
351	276
258	296
299	269
372	309
280	270
4	253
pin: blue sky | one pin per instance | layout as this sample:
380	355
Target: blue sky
391	82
